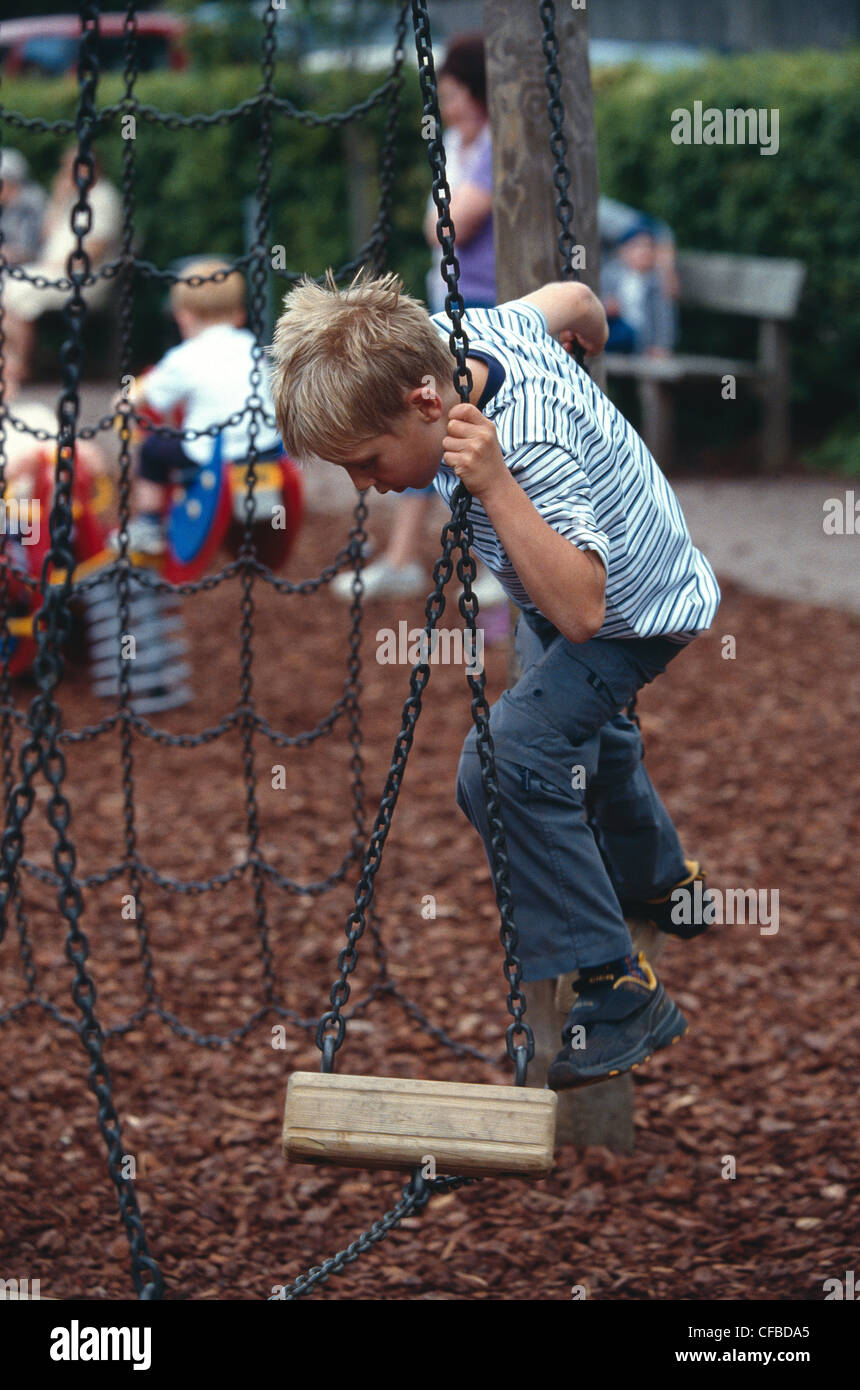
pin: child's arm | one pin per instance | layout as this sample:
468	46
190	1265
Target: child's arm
470	208
566	583
572	311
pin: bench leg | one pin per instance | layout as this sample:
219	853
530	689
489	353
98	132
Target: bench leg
774	357
658	420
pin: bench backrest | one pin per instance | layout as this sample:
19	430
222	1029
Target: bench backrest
759	286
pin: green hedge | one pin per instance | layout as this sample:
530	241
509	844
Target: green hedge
190	184
799	202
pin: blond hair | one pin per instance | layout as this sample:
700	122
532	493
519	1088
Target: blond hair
343	361
215	301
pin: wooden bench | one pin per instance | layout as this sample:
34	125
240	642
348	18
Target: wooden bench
767	289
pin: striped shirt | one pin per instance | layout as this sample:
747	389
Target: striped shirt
589	475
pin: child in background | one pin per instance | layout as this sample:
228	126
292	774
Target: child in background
22	209
209	376
642	318
23	302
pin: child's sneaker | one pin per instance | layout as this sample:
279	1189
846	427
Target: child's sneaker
663	912
145	537
382	580
622	1014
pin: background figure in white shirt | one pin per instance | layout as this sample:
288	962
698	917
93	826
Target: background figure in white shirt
23	303
209	376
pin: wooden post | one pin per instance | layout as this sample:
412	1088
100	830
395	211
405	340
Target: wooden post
526	240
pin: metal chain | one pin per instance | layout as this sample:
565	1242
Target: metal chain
416	1195
381	232
257	314
173	121
6	649
128	722
519	1039
558	144
40	752
457	533
132	857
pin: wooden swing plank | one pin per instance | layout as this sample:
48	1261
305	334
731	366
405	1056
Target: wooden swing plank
391	1122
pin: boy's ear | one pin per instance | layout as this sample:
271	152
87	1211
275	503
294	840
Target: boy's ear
425	399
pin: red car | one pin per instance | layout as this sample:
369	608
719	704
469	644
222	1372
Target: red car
47	45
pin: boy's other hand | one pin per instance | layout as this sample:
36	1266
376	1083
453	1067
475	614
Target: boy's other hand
592	334
471	447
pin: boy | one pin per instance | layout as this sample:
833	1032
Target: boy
642	318
574	517
209	375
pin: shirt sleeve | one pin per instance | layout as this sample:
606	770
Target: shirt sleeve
559	491
528	311
165	385
107	213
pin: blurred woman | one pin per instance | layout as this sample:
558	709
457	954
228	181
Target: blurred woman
462	84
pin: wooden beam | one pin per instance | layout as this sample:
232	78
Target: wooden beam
526	239
525	226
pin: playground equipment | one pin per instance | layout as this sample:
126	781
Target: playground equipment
205	510
92	503
478	1130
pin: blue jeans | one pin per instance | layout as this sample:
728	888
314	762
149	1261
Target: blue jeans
583	823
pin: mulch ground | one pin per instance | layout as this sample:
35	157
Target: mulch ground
756	758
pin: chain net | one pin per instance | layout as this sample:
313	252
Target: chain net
44	738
